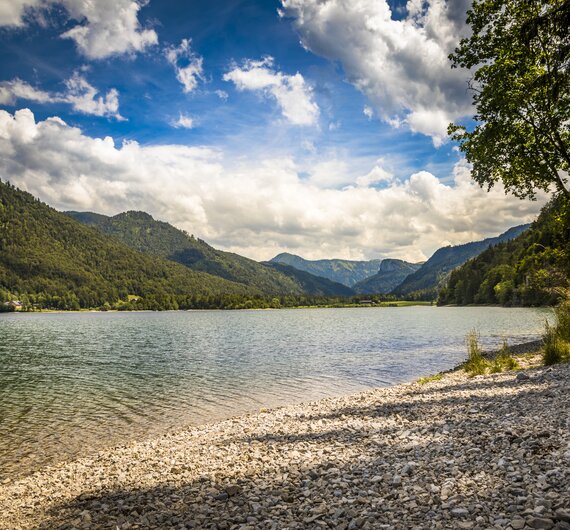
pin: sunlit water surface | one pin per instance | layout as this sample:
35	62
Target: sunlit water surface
73	383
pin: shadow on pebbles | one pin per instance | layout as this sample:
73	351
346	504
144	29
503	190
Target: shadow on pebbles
486	452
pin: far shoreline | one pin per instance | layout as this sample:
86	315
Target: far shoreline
379	305
396	304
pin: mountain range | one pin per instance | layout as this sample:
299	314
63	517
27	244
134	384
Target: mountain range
343	271
130	260
432	275
143	233
50	260
395	276
391	273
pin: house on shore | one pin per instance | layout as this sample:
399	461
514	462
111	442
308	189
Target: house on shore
14	305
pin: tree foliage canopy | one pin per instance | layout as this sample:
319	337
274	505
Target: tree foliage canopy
519	52
531	270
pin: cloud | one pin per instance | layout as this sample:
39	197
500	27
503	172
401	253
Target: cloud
368	112
13	12
254	207
293	95
402	66
187	65
83	98
378	175
222	94
309	146
183	122
106	27
79	93
11	91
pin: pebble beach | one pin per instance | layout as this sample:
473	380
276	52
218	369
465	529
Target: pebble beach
464	453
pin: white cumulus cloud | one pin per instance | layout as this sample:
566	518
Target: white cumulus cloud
402	66
79	93
183	122
254	207
187	65
377	175
105	28
11	91
293	95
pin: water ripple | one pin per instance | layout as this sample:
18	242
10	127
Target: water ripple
73	383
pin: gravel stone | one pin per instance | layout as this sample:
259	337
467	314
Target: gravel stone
539	522
468	453
517	524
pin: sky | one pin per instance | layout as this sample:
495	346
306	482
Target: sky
316	127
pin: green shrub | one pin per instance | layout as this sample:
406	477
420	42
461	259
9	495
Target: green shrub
557	338
504	363
505	350
562	313
555	350
429	379
476	364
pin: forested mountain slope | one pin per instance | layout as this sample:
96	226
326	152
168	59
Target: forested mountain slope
432	275
315	285
49	259
343	271
528	270
142	232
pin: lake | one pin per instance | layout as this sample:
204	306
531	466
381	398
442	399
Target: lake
73	383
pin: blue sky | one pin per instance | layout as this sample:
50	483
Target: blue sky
248	110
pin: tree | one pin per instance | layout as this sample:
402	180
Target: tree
519	53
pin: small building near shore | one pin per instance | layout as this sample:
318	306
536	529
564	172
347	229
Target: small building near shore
15	305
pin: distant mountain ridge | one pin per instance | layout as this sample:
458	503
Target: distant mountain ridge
315	285
392	272
425	282
347	272
395	276
142	232
52	260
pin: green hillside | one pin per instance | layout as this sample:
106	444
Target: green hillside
145	234
315	285
392	272
49	260
432	275
528	270
343	271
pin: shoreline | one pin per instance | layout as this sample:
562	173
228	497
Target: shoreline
395	304
446	453
518	349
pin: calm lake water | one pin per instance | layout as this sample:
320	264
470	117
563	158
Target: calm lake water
71	383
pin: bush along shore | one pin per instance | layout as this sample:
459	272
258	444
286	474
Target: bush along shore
451	451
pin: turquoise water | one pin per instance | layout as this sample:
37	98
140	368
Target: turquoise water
72	383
